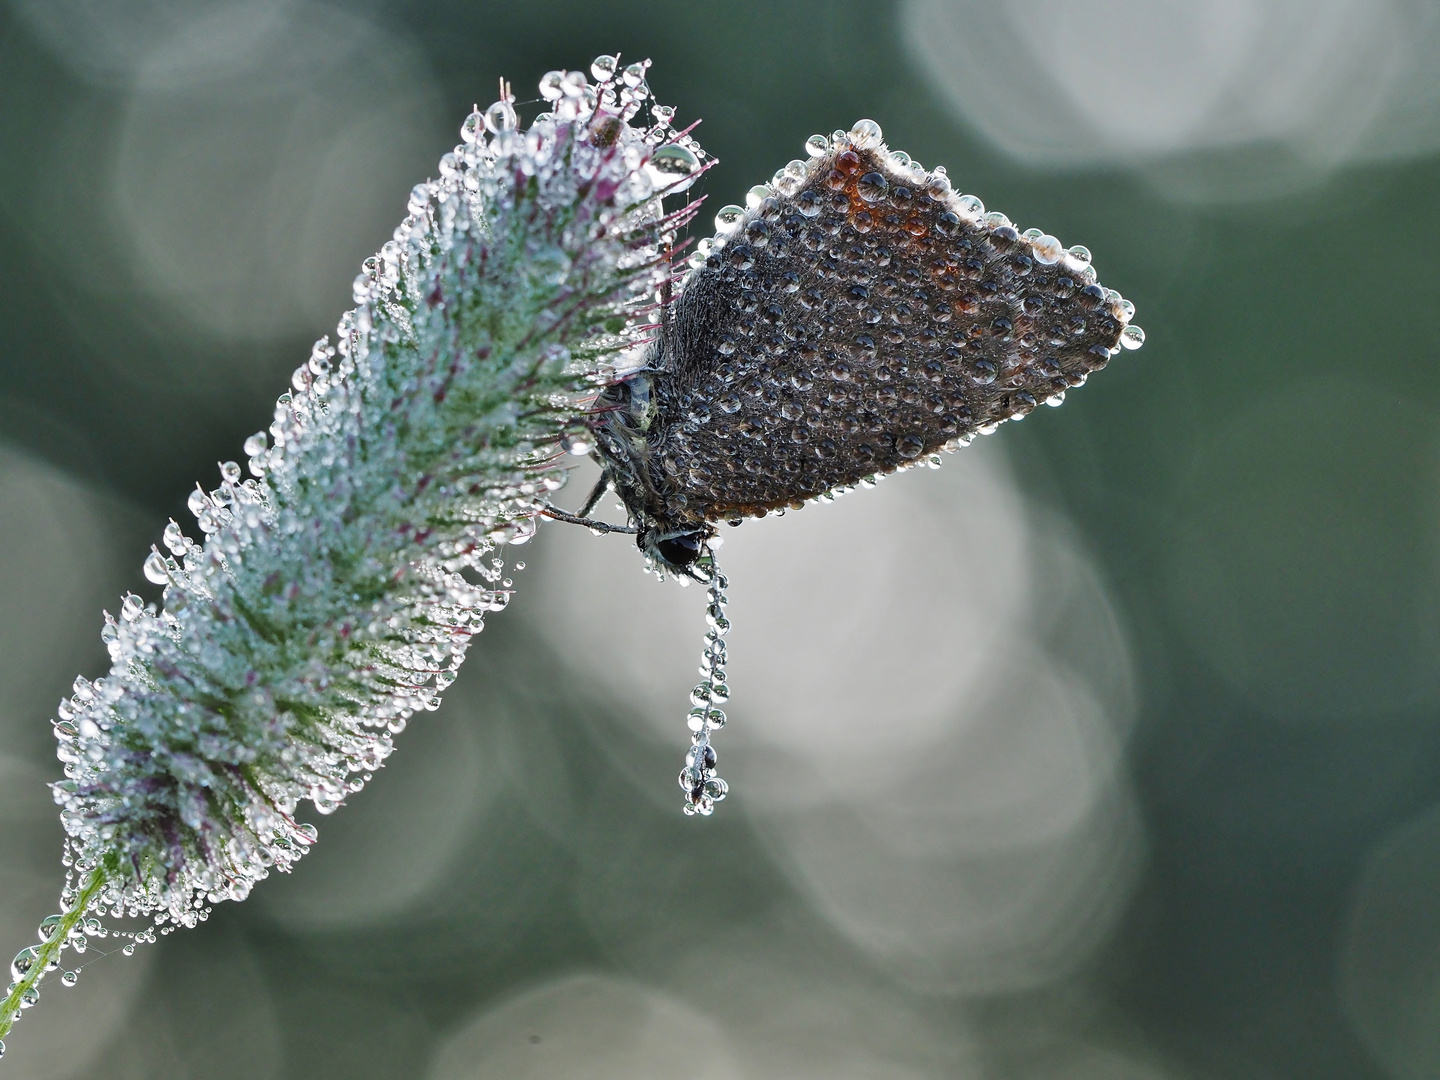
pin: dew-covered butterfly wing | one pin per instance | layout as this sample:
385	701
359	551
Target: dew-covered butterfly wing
858	316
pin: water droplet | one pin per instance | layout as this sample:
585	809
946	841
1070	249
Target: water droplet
23	962
672	169
70	978
728	218
500	116
872	187
198	501
48	926
865	134
473	129
757	195
155	568
602	68
817	145
420	196
969	207
129	950
576	442
1047	250
634	75
1078	257
174	538
550	85
1132	337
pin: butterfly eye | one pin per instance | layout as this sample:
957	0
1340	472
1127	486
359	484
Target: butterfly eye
680	551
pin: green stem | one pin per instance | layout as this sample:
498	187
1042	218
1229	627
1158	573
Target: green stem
49	951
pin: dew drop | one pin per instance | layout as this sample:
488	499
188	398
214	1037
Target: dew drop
576	442
1047	250
500	116
198	502
602	68
817	145
1132	337
968	206
550	85
473	129
872	187
155	569
728	218
174	538
70	978
865	134
23	962
672	169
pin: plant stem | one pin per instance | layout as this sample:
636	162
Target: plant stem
48	952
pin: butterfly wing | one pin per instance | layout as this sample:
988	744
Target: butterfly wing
864	318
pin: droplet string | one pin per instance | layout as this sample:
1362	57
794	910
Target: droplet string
702	785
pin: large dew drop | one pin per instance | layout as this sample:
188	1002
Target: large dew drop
672	169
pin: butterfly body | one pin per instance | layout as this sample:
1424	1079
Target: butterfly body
859	317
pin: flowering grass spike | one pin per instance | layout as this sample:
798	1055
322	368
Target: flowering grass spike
337	588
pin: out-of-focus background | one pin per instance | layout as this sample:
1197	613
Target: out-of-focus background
1111	749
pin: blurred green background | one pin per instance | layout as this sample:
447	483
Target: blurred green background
1112	749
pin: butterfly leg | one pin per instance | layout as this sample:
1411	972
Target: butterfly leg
582	517
596	494
590	523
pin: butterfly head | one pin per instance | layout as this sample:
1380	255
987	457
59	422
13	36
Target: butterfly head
679	551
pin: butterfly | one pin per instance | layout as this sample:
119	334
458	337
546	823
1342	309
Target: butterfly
858	317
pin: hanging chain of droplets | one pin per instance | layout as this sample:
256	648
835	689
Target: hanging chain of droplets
702	787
